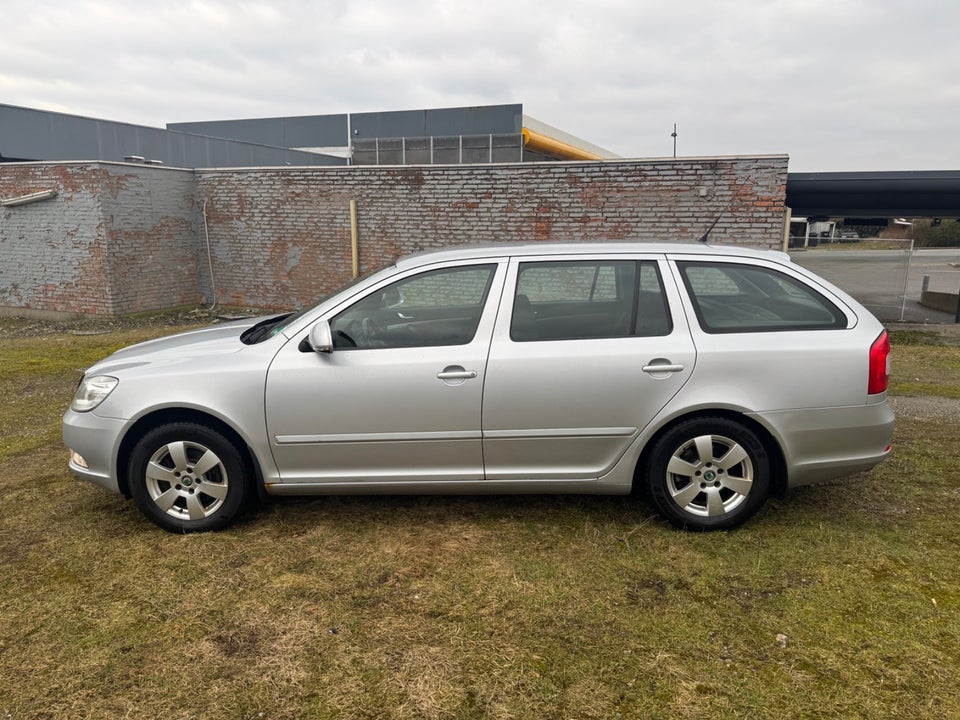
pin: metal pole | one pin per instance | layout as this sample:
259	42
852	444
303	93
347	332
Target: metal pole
906	279
674	136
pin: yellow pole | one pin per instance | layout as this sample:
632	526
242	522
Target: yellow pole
354	245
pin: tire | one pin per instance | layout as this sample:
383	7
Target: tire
187	477
708	473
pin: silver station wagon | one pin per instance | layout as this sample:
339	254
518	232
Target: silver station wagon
709	377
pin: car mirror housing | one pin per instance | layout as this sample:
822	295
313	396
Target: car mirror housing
321	339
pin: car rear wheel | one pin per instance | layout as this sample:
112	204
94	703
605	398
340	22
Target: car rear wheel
708	473
187	477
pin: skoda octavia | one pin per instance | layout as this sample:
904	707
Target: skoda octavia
710	377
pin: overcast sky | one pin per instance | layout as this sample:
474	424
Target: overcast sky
836	84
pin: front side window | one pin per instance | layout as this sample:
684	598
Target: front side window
733	297
584	299
439	307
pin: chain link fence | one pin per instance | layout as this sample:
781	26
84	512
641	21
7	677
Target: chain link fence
893	279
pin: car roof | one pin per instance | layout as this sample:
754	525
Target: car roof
470	252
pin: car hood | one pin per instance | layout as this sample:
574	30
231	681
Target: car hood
214	340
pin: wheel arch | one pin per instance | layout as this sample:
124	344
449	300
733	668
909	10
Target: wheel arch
165	416
778	465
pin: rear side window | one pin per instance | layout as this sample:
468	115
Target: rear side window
584	299
731	297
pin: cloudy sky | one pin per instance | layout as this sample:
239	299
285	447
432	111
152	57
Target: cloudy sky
836	84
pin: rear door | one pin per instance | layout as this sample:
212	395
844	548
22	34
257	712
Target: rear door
585	352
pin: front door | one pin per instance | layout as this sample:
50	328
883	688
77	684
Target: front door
399	398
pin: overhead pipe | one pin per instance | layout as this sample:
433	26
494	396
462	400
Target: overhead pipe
27	199
547	145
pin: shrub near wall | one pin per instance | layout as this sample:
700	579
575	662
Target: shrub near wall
281	237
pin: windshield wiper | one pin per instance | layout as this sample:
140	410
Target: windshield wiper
261	331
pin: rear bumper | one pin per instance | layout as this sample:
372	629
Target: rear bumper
828	443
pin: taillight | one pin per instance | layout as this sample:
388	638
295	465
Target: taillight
879	364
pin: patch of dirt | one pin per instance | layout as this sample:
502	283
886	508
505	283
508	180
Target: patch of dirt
927	407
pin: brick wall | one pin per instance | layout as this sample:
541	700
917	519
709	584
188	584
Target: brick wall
52	252
151	223
116	238
123	238
280	238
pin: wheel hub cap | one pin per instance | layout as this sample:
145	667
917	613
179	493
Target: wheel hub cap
710	475
187	480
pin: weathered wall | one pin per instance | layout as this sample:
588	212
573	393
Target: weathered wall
52	252
116	239
282	237
151	223
122	238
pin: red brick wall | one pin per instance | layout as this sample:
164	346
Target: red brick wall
52	253
116	239
281	237
123	238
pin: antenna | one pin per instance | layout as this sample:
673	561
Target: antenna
674	136
706	236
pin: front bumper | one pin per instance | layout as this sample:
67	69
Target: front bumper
96	439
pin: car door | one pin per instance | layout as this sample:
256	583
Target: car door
398	399
586	351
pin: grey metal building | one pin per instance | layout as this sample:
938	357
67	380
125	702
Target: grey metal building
484	134
29	135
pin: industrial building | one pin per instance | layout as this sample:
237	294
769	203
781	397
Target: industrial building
467	135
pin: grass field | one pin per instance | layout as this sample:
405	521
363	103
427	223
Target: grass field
841	601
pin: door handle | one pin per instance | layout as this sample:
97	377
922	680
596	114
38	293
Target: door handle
666	367
456	374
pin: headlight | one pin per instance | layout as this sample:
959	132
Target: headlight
92	392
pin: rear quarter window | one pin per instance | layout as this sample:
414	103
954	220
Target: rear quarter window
733	297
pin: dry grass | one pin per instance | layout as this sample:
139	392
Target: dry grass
841	601
864	244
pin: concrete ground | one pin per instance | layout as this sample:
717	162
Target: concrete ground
878	278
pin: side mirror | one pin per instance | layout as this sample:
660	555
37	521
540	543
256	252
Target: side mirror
320	338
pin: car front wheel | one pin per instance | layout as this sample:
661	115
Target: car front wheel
187	477
708	473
